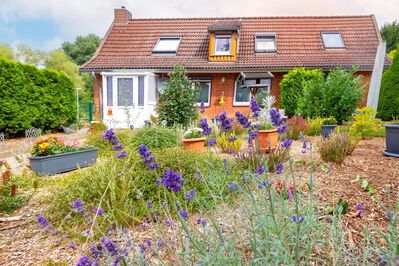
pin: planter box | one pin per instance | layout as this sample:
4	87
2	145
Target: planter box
60	163
326	130
197	144
268	139
392	140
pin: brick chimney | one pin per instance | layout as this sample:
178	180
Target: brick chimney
122	15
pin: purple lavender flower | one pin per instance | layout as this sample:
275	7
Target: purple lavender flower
252	134
225	164
389	215
110	136
142	247
263	184
260	170
286	143
282	129
276	118
169	222
110	246
243	120
225	122
121	154
190	195
296	219
304	147
202	107
160	244
147	157
211	142
231	187
230	151
87	214
42	221
232	139
289	195
149	204
98	211
279	168
360	208
183	213
78	205
206	130
171	180
118	147
72	245
255	107
85	261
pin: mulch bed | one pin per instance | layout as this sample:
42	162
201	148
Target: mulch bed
22	244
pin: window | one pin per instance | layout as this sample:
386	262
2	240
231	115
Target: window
109	92
167	45
332	40
205	92
141	91
222	44
125	92
265	43
242	94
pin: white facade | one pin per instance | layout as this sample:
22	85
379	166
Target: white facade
128	99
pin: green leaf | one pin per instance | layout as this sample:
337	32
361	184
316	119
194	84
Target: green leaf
357	179
371	189
365	183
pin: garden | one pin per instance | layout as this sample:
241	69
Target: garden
306	183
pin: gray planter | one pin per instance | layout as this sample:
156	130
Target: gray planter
326	130
392	140
60	163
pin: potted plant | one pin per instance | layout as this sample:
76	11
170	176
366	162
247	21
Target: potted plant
51	156
193	139
328	126
267	133
392	139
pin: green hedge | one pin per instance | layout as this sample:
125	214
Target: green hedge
388	104
30	97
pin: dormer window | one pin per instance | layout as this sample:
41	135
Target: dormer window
168	45
332	40
222	44
265	43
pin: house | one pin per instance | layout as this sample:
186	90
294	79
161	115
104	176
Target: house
228	56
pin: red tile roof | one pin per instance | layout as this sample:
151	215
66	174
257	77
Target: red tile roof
129	45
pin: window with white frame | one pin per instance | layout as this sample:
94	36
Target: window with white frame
222	44
265	43
332	40
242	93
167	45
125	91
204	92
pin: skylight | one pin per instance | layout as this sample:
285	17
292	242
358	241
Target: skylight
167	45
265	43
332	40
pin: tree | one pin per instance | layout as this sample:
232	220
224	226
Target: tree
82	49
392	53
291	87
390	34
27	55
388	104
6	51
177	101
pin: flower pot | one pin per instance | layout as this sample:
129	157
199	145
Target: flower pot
196	144
326	130
268	139
60	163
392	140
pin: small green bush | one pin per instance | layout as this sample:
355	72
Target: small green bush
337	146
292	86
95	139
329	121
155	137
388	104
314	126
365	125
126	183
336	96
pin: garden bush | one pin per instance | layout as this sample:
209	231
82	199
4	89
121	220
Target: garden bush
296	125
155	137
126	183
105	148
337	146
177	100
365	125
388	104
292	86
337	95
30	97
314	126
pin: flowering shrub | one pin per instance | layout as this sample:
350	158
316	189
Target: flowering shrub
53	145
314	126
365	125
336	147
228	143
193	133
296	125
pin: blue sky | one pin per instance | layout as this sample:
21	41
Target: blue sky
45	24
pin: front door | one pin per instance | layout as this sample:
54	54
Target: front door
123	101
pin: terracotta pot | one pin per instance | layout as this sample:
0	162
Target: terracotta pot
268	137
197	144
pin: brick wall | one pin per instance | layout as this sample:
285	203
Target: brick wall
366	82
98	83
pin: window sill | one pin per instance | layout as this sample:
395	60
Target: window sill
246	104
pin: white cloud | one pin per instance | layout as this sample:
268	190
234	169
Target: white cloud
77	17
